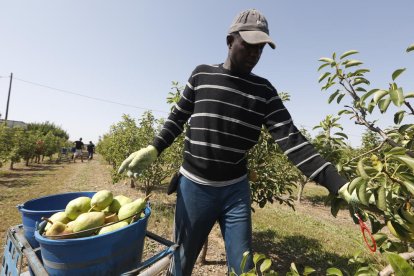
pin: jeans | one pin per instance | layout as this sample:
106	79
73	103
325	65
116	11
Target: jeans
199	207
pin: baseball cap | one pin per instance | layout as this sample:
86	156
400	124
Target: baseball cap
252	27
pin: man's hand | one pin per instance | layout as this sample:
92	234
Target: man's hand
139	161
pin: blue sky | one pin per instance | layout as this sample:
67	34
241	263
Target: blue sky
129	52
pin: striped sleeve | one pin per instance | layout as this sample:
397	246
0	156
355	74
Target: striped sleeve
179	115
297	148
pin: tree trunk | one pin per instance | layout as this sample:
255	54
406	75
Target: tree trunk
203	254
302	182
11	165
132	183
27	162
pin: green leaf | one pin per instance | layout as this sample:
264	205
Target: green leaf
397	73
397	96
361	71
380	238
265	265
399	116
308	270
353	63
348	53
338	100
322	66
409	186
396	151
400	266
407	160
323	76
360	80
244	260
326	59
258	257
345	111
383	104
341	134
371	106
379	95
332	97
368	94
333	272
410	48
293	268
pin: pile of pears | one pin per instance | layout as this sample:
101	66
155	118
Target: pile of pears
85	216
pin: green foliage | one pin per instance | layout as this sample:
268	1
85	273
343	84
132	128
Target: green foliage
330	145
261	266
384	182
272	176
46	127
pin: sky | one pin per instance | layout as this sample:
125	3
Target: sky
83	64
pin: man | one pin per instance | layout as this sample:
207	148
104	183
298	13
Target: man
90	148
78	150
227	106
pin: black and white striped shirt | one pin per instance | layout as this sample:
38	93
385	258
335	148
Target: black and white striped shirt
226	113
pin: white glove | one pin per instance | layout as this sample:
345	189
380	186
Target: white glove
139	160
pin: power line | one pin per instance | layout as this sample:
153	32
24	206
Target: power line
88	97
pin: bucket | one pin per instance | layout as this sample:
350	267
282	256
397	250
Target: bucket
108	254
33	210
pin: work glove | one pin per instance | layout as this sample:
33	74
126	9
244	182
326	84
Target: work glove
351	199
138	161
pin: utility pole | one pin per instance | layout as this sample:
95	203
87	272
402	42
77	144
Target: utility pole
8	97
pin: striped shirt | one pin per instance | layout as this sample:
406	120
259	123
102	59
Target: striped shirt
225	113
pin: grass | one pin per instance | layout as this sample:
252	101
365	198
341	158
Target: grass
309	236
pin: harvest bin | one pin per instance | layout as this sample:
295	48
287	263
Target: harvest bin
33	210
108	254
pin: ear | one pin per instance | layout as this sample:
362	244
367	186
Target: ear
229	40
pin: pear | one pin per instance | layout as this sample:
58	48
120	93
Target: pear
56	228
77	206
111	218
112	227
59	216
118	201
132	208
87	221
101	200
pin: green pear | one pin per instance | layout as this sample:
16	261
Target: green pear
112	227
87	221
111	218
55	229
77	206
132	208
59	216
118	201
69	226
101	200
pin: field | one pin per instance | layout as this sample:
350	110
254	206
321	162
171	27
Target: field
308	236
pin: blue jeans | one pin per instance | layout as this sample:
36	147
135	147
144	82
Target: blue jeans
199	207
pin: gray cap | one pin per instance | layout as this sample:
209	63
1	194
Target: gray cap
252	27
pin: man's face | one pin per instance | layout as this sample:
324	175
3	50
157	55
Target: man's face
244	56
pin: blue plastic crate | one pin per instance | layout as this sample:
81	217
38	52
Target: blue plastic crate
12	257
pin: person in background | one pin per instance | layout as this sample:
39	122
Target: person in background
91	149
78	147
227	105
